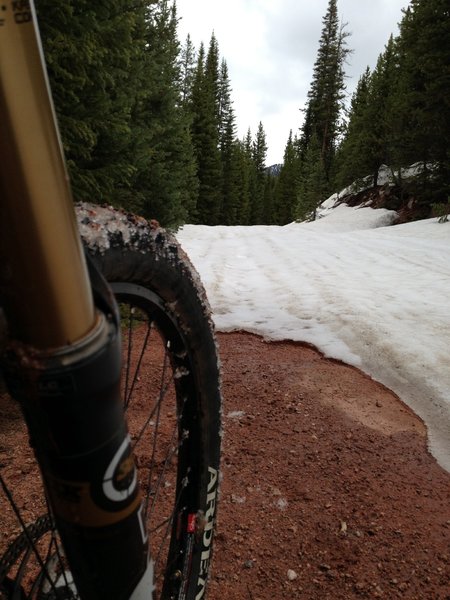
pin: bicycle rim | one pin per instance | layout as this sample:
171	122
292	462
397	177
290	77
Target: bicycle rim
171	394
160	398
159	391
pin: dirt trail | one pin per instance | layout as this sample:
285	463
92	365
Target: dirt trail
328	489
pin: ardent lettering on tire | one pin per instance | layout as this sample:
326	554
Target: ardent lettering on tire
207	532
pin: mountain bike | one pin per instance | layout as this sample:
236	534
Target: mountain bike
109	356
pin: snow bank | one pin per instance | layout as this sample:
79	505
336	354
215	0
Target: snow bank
371	295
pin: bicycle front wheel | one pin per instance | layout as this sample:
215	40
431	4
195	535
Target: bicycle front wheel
171	393
170	388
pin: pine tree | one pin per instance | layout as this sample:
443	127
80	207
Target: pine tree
213	76
93	55
313	185
424	47
286	189
230	182
247	175
352	159
187	70
269	198
258	182
166	180
225	106
378	115
228	150
205	135
405	117
322	125
327	90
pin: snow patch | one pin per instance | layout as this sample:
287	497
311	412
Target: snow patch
361	290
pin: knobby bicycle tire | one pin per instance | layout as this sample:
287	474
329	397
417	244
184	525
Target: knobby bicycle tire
148	271
171	391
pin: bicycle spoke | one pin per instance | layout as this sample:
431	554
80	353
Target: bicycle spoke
21	570
129	392
31	544
156	408
128	360
161	476
169	525
155	434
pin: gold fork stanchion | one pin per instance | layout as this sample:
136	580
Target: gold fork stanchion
37	218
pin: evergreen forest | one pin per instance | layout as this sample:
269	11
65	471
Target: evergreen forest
148	123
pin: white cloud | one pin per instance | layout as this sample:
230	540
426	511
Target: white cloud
270	48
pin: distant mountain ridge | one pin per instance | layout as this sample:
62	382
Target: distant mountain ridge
274	169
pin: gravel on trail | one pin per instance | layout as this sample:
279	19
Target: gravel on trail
328	489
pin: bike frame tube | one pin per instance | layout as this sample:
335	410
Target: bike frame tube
43	278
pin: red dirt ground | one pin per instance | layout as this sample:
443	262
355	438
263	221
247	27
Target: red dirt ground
328	489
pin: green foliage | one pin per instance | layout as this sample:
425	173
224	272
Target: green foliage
146	124
286	188
232	174
424	47
205	134
313	186
442	211
322	126
149	125
244	156
402	116
116	85
93	60
327	90
187	62
258	178
353	155
228	151
166	181
373	122
379	115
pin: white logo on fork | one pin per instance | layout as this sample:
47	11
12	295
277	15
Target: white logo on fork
109	489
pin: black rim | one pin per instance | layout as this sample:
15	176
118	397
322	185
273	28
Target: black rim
167	444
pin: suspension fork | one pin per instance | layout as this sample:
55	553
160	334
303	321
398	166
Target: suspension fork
62	362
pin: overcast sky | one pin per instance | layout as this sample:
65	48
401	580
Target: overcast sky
270	47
